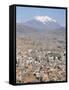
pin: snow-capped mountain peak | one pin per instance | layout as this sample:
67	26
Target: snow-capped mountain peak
44	19
43	22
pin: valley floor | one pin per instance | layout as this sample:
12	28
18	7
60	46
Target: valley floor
39	62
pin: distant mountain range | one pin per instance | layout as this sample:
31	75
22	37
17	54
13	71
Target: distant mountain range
43	23
40	26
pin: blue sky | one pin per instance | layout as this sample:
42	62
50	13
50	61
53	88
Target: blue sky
24	14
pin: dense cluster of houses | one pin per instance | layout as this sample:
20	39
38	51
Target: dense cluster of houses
44	65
